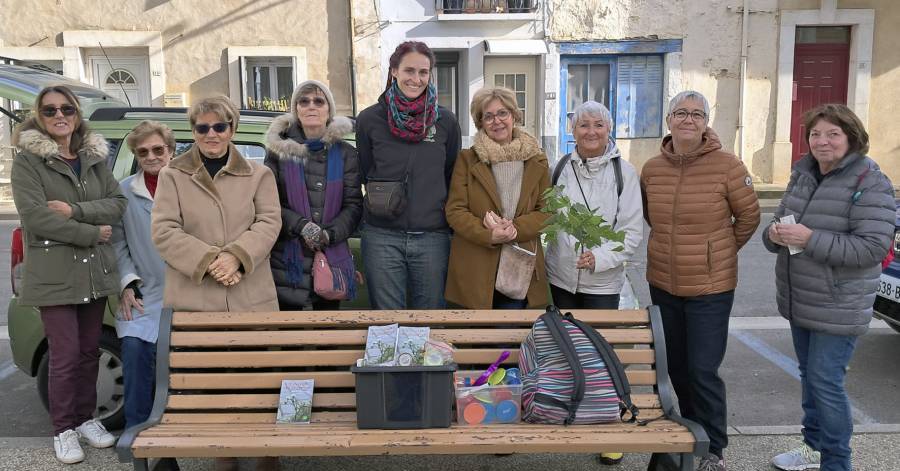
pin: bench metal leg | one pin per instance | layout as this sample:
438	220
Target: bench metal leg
671	462
140	464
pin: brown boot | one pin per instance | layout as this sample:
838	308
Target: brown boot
268	463
226	464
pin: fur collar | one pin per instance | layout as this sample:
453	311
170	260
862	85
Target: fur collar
522	147
94	148
280	138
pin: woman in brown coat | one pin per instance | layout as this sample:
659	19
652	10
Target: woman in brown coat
215	218
495	200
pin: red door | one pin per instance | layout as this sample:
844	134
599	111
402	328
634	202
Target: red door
820	76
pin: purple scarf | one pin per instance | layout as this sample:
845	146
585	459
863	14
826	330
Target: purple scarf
338	254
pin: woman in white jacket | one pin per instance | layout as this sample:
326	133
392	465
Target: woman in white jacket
594	278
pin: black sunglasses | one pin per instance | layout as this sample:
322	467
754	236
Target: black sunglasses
204	128
317	101
50	111
158	151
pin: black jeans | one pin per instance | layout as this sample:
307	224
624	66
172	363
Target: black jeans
696	330
566	300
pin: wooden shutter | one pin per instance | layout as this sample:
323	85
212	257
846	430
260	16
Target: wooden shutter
638	96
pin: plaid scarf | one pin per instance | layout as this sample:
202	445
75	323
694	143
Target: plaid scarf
338	254
409	119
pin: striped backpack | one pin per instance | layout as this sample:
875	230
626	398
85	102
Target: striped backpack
571	375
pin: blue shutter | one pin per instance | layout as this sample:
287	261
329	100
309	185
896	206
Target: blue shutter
639	96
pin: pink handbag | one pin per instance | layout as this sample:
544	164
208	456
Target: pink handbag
325	284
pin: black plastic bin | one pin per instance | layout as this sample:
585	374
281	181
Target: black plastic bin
404	397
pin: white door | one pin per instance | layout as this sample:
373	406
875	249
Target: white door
127	76
518	74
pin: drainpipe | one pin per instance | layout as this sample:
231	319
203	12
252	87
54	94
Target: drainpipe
744	31
352	62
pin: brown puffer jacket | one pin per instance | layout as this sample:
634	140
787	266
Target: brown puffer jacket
689	201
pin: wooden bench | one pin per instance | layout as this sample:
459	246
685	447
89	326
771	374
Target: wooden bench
219	375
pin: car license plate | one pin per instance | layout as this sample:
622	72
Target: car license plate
889	288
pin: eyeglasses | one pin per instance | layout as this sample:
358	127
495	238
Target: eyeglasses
158	151
502	115
682	114
49	111
217	127
305	101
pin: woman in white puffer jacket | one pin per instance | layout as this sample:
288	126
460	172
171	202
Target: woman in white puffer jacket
594	278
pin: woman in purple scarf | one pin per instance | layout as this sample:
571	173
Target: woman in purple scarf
321	198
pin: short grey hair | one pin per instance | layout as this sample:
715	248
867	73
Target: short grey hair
688	95
592	108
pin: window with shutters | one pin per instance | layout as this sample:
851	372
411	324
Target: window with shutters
629	85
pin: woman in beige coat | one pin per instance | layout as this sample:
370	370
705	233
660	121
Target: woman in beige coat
215	218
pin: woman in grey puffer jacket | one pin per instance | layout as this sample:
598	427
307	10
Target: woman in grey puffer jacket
318	179
844	210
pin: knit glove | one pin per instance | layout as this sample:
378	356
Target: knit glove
313	236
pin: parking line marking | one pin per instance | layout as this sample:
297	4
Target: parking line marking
4	332
789	365
7	369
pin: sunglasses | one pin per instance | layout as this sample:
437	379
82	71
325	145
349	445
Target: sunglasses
50	111
318	101
204	128
158	151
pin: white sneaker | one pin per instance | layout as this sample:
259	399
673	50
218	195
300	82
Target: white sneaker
67	448
798	459
95	434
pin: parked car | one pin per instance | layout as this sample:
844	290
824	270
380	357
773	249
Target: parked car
22	84
26	332
887	299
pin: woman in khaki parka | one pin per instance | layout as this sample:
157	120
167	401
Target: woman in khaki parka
67	200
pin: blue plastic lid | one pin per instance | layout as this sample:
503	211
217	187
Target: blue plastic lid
506	411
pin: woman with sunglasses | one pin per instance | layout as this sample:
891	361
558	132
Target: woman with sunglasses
215	218
321	200
67	200
141	272
407	147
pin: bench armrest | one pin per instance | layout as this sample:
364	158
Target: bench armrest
161	397
664	388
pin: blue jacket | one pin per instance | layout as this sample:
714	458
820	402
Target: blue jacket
830	286
139	260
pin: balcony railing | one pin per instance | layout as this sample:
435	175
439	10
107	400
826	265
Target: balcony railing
485	6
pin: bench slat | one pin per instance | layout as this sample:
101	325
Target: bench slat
323	379
486	440
272	429
251	417
251	338
323	400
205	320
338	358
268	418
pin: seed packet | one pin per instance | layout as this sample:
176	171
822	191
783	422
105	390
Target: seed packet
411	345
295	402
438	353
381	345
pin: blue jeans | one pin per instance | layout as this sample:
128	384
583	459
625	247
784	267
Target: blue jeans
138	368
696	333
827	421
405	270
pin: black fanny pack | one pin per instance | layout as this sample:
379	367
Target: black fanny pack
385	198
